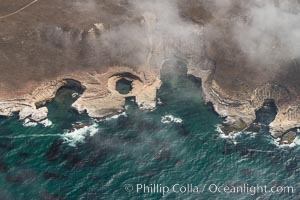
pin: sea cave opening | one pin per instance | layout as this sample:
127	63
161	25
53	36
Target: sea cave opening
124	86
67	94
267	113
60	107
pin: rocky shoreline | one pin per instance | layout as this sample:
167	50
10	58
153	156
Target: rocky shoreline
240	114
100	99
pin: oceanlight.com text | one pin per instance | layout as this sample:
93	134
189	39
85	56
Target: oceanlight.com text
210	188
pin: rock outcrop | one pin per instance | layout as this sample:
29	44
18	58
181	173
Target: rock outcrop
40	47
240	113
100	98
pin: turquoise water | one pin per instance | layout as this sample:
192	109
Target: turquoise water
123	86
137	148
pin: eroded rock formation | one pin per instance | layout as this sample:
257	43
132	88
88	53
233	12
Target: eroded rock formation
46	55
100	98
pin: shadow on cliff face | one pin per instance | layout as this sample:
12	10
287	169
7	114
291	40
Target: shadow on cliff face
267	113
60	108
264	116
70	84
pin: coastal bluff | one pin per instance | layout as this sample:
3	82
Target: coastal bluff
100	98
43	49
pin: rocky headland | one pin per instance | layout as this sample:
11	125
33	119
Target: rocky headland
100	98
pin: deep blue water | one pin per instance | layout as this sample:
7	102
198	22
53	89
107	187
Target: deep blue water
137	148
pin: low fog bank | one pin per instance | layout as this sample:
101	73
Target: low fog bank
252	41
249	41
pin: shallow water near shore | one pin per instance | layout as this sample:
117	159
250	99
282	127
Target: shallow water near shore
101	159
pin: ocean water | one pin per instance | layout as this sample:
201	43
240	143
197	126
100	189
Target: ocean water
111	159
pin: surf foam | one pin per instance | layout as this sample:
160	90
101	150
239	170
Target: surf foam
167	119
296	142
29	123
46	123
116	116
79	135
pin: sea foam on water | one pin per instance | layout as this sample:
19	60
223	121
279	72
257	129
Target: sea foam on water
79	135
170	118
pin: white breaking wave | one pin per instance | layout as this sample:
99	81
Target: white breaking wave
159	102
28	123
170	118
219	129
232	135
114	117
296	142
46	123
79	135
